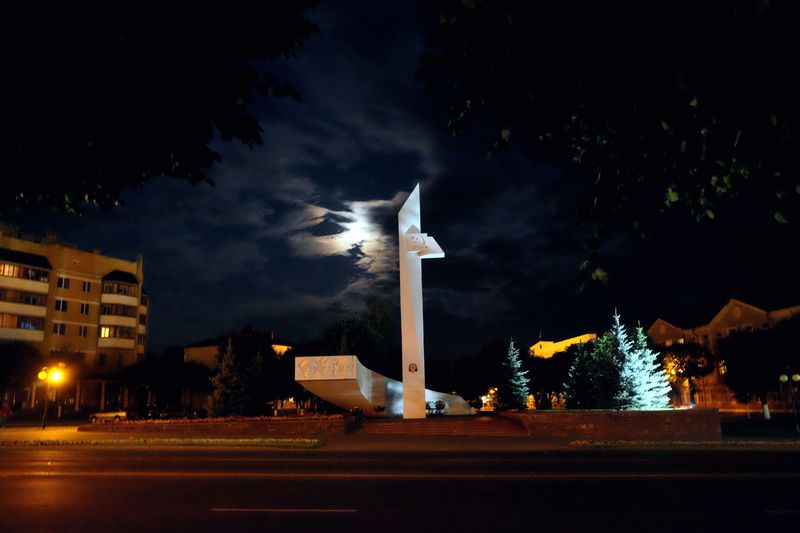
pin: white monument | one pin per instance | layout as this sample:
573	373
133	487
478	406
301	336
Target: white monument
344	381
414	246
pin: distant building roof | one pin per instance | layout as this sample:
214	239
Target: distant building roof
24	258
252	332
121	276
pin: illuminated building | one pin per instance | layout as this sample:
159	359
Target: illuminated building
82	308
734	316
546	349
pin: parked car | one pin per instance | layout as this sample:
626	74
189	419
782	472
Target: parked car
108	416
170	412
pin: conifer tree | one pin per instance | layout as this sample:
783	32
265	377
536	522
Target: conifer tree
230	395
645	385
610	354
513	390
579	385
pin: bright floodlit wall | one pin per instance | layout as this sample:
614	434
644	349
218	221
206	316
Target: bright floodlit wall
343	381
547	349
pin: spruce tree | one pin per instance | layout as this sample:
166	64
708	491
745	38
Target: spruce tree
230	395
645	384
579	387
619	353
594	380
513	390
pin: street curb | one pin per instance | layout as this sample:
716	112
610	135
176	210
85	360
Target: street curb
303	444
793	444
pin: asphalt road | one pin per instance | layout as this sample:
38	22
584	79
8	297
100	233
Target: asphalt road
202	489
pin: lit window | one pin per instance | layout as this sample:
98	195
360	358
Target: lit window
59	329
723	368
8	321
668	343
61	305
681	340
63	283
105	332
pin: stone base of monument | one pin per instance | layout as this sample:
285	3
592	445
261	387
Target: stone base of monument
662	425
343	381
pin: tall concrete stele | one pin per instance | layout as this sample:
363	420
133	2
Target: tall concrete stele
414	246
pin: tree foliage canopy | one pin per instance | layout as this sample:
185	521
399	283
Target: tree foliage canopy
365	335
105	95
690	105
754	360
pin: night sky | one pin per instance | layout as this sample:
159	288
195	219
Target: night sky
298	231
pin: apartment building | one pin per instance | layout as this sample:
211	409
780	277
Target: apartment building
81	308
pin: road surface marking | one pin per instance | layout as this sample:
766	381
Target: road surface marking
267	510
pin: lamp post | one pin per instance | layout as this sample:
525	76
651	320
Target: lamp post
53	375
784	378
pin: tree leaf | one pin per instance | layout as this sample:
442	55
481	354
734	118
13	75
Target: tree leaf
710	214
600	275
780	217
672	195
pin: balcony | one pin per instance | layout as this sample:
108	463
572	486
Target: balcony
142	329
17	334
27	285
13	308
117	320
123	299
116	342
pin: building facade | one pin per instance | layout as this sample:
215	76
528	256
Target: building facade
547	349
734	316
81	308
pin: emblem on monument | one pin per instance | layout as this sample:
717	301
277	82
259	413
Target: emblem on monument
412	367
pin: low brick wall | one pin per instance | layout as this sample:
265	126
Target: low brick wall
270	427
678	424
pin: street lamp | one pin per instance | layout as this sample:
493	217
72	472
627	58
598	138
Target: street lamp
783	378
53	375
